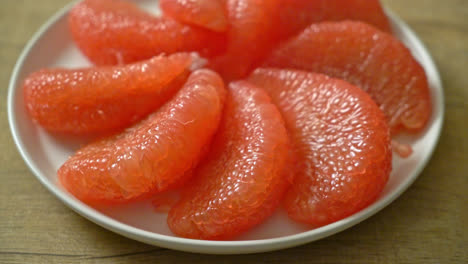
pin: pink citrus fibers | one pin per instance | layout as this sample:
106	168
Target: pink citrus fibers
103	99
297	15
249	38
243	178
113	32
341	141
152	155
373	60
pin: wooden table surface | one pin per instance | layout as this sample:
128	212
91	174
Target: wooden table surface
427	224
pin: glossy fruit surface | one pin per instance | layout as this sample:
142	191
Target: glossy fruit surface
368	58
113	32
249	38
296	15
103	99
243	178
341	141
154	154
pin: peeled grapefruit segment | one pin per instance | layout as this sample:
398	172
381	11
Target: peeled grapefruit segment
296	15
113	32
152	155
103	99
249	38
243	179
341	140
368	58
208	14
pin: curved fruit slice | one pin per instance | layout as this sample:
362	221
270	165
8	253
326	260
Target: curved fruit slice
154	154
249	36
242	180
113	32
364	56
341	140
296	15
103	99
209	14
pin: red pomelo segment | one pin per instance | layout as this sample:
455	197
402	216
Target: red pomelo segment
113	32
209	14
364	56
242	180
341	140
103	99
154	154
249	36
296	15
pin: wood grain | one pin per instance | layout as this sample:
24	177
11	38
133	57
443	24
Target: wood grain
427	224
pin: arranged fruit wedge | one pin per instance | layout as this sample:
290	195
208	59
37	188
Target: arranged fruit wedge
296	15
364	56
152	155
244	176
113	32
208	14
103	99
341	140
249	37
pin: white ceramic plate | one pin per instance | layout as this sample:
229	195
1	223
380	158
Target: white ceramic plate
52	46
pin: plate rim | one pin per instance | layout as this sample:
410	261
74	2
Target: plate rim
209	246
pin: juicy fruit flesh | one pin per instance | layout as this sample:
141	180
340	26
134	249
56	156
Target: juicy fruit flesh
111	32
243	178
249	37
364	56
341	140
103	99
154	154
296	15
209	14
